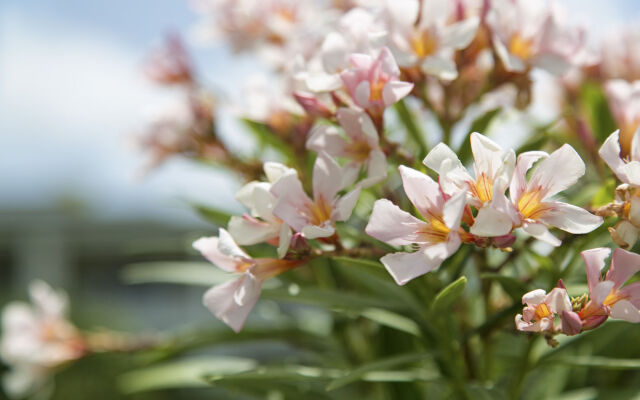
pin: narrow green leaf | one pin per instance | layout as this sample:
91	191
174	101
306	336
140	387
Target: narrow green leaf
409	122
600	362
514	288
264	135
392	320
361	371
332	299
216	217
449	294
198	273
181	374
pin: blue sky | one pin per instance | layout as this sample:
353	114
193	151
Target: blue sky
71	95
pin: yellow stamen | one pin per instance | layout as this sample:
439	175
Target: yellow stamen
521	47
423	44
531	205
376	88
320	211
542	311
613	297
437	231
483	188
358	150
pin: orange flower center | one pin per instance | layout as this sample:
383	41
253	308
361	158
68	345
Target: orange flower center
376	88
483	188
320	211
531	205
521	47
423	43
613	297
437	231
542	311
358	150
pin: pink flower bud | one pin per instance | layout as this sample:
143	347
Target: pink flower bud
571	323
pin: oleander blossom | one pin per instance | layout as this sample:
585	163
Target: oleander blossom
533	203
37	338
609	296
260	225
541	309
231	302
528	34
424	36
373	83
437	237
315	218
359	145
624	102
493	169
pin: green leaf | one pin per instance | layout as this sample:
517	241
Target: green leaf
479	125
216	217
392	320
600	362
181	374
332	299
264	135
449	294
362	371
409	122
596	106
198	273
514	288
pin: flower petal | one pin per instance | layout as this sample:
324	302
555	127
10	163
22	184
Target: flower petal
231	302
389	224
394	91
362	93
558	300
570	218
610	153
458	35
327	177
558	172
625	310
421	190
624	264
440	67
315	232
490	223
403	267
594	262
519	181
540	232
250	231
344	206
453	209
284	240
534	297
600	292
326	138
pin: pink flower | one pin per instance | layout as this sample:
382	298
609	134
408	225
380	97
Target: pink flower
315	218
540	310
37	338
231	302
437	237
536	210
608	296
624	101
530	34
171	64
359	145
260	225
493	169
373	83
422	34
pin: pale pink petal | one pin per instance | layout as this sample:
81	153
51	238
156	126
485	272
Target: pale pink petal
351	121
315	232
625	234
321	82
274	171
458	35
600	292
231	302
327	177
421	190
453	209
570	218
248	231
362	93
292	201
326	138
403	267
284	240
438	155
558	172
344	206
208	247
624	264
524	326
440	67
540	232
334	52
632	293
558	300
394	91
491	223
487	155
376	169
245	194
610	153
519	180
388	64
632	172
625	310
361	61
438	252
594	262
534	297
390	224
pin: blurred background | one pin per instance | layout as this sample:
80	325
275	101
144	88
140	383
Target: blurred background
74	207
